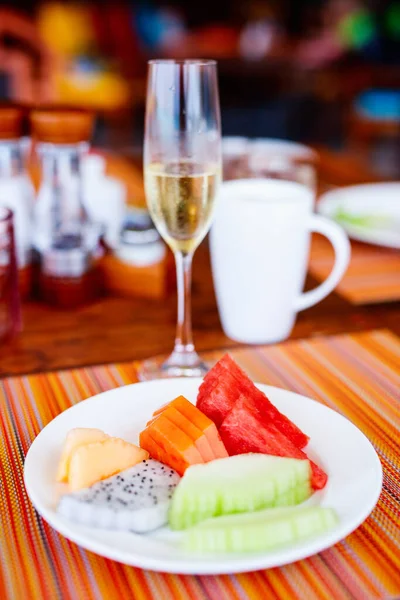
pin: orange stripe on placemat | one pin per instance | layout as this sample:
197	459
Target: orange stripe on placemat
357	375
373	274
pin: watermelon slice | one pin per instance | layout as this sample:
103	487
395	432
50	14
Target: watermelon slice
267	412
222	387
243	431
210	378
220	398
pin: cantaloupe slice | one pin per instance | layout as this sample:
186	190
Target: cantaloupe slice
75	438
92	462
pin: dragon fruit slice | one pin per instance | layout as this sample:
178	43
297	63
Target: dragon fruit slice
136	499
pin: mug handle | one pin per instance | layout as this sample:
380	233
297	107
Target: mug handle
342	248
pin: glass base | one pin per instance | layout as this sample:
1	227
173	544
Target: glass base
177	365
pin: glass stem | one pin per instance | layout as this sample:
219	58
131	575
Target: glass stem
183	338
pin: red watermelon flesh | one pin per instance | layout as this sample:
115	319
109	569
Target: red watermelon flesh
242	431
220	371
225	365
217	403
267	413
227	378
267	410
210	379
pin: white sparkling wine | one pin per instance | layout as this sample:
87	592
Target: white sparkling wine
180	197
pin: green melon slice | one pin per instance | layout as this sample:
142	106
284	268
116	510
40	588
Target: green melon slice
238	484
259	531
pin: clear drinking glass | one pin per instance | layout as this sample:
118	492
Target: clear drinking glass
182	171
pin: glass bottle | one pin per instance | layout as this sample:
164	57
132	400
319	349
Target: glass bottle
66	242
16	189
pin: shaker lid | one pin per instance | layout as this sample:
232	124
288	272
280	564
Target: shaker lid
11	121
61	125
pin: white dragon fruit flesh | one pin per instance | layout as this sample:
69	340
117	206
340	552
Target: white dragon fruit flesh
136	499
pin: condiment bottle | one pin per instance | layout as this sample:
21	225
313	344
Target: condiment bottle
66	241
140	266
16	190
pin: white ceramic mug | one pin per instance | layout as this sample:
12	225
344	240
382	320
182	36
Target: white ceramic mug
259	245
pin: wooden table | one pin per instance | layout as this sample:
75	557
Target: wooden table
117	329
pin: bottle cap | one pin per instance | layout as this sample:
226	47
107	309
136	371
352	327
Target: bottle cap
11	121
61	125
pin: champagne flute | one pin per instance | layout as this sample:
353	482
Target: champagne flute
182	172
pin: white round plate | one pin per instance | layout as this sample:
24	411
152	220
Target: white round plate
369	200
355	477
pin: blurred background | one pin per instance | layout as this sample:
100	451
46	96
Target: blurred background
316	71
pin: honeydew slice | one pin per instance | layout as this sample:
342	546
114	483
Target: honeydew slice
242	483
259	531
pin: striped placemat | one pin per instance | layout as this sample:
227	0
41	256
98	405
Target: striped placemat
357	375
373	274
